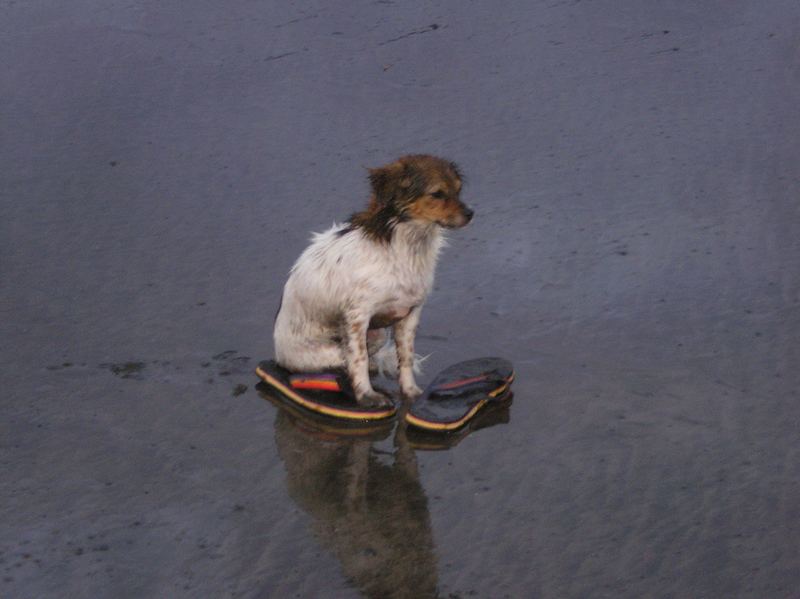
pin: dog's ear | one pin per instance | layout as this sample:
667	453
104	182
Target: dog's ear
457	171
381	180
396	181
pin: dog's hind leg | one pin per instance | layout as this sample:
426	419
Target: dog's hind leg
379	346
376	339
309	356
383	357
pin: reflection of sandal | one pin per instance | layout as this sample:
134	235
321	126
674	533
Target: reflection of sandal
327	393
492	414
459	392
321	427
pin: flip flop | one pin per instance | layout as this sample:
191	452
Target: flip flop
459	392
327	393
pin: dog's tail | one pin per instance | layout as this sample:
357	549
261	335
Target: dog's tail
384	361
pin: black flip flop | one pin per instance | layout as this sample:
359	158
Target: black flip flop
327	393
459	392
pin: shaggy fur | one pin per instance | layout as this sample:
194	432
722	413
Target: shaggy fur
361	280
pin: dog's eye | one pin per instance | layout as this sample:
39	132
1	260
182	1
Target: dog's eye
439	195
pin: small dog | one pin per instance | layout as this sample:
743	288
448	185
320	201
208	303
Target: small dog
358	280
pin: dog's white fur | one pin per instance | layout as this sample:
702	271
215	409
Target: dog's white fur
340	283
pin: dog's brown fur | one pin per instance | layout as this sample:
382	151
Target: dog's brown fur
417	186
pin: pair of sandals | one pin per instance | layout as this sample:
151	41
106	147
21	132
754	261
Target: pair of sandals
451	401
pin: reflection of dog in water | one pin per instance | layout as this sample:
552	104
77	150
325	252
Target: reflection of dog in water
361	279
373	516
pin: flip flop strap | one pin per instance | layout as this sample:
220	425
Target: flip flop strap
461	382
486	381
318	382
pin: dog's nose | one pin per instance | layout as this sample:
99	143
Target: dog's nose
468	213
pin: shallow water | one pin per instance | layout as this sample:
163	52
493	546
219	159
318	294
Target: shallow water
634	253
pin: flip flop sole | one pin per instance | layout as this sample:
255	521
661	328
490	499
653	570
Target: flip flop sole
336	404
460	392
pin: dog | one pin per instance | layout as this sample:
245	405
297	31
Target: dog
366	278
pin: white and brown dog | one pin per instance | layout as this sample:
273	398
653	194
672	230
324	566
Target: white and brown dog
358	280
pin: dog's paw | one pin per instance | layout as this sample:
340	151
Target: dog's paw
374	399
411	391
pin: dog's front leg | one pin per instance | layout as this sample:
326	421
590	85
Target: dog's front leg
404	332
358	362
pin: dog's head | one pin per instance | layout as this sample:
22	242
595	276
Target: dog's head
420	188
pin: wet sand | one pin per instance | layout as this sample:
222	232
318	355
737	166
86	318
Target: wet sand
634	168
